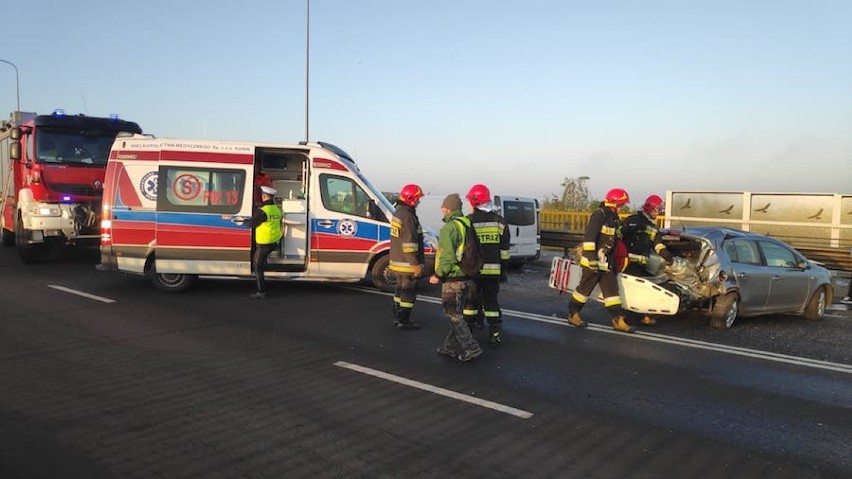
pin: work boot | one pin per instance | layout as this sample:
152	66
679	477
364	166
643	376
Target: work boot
403	320
446	351
468	355
494	334
620	324
575	320
407	324
648	320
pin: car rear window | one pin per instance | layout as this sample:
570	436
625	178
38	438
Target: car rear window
519	213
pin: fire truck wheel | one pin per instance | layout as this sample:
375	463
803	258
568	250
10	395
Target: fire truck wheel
8	238
383	278
172	282
28	252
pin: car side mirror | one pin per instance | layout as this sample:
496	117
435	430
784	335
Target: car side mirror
802	265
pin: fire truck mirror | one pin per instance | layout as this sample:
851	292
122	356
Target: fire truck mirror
15	151
15	134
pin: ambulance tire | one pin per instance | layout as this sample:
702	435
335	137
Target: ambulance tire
383	278
172	282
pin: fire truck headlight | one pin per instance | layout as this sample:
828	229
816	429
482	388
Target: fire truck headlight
47	210
106	224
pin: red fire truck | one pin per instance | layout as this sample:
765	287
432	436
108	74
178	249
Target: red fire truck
51	179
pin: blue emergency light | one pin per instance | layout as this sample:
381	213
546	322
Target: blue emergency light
66	199
113	117
59	112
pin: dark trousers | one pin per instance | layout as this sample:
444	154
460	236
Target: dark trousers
405	294
261	252
609	287
482	296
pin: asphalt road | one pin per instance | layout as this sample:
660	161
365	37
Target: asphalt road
315	382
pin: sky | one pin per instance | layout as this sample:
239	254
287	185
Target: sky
646	95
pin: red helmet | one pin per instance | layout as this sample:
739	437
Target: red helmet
409	194
652	202
616	197
478	195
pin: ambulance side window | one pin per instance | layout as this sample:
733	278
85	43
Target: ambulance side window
343	195
200	190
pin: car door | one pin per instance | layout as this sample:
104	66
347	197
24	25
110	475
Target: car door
752	276
789	284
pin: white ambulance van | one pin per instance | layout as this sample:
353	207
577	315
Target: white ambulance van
521	214
175	210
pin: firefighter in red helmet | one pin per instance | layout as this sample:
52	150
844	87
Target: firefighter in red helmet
598	263
645	251
493	233
406	255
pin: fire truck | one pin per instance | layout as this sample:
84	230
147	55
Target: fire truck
51	179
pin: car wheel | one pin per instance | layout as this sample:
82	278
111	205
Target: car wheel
725	310
383	278
816	306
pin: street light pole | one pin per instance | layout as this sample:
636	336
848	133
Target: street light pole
17	82
307	66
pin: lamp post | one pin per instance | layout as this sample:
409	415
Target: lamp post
17	82
307	66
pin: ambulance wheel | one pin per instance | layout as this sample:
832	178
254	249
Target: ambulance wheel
172	282
383	278
725	310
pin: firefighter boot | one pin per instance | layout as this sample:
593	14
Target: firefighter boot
575	320
648	320
494	334
620	324
470	320
403	320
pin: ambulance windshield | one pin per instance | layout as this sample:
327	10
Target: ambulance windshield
377	194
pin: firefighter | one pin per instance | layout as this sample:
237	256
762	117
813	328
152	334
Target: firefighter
494	237
266	222
645	250
406	255
598	263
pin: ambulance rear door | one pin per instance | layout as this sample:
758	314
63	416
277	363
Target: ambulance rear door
202	212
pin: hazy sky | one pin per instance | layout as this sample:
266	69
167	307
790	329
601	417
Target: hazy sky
644	95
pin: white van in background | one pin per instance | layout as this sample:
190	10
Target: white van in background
521	214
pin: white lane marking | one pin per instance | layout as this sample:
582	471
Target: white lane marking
80	293
689	343
436	390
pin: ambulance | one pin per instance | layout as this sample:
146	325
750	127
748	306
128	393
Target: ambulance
176	210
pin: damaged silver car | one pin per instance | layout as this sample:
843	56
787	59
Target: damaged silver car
731	274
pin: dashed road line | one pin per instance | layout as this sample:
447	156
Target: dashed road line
81	293
436	390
